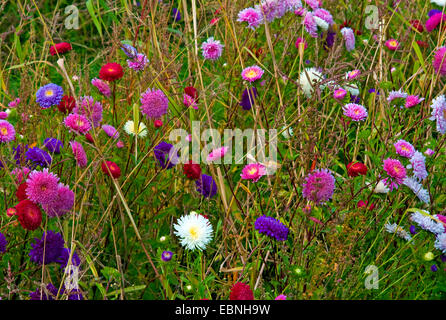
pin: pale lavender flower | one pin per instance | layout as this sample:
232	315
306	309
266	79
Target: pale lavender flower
349	38
417	188
439	113
138	63
426	222
396	95
418	165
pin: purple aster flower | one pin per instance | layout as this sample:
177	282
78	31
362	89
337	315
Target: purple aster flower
65	256
102	86
165	154
138	63
211	49
439	113
248	97
110	131
271	227
3	243
413	229
396	95
319	186
166	255
19	154
90	109
42	186
330	38
314	4
62	202
418	165
49	95
349	38
51	243
310	24
176	14
7	131
53	145
38	157
434	268
433	11
44	294
154	103
129	50
253	16
206	186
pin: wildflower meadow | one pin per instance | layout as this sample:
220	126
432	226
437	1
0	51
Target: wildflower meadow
223	150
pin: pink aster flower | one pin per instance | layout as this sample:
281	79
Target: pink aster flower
439	61
392	44
102	86
349	38
396	171
110	131
91	109
339	93
252	73
189	101
7	131
299	41
79	154
412	101
138	63
404	148
20	174
217	154
63	202
310	24
120	144
324	15
154	103
253	171
281	297
314	4
429	152
14	103
253	16
3	115
319	186
42	186
355	111
77	123
353	74
434	21
212	49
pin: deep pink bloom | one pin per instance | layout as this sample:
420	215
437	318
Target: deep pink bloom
412	101
339	93
299	41
434	21
79	154
189	101
77	123
253	171
281	297
102	86
392	44
252	73
63	202
395	170
355	111
353	74
120	144
404	148
7	131
319	186
252	16
3	115
42	186
439	61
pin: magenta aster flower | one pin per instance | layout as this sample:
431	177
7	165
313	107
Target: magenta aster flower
310	24
154	103
102	86
349	38
63	202
392	44
217	154
91	109
42	186
319	186
77	123
429	152
211	49
189	101
339	93
253	171
138	63
314	4
396	171
7	131
439	61
434	21
324	15
355	111
299	41
252	73
79	154
412	101
404	148
353	74
110	131
252	16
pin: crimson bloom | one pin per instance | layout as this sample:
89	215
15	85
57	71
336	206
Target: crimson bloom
356	169
29	214
21	192
417	25
192	170
115	171
60	48
111	71
67	104
191	91
241	291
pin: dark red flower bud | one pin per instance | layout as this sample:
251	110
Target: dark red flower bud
191	91
192	170
89	137
115	171
60	48
21	192
67	104
158	123
355	169
416	24
422	44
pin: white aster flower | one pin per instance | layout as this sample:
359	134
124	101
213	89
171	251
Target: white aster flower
427	222
308	78
130	128
394	228
321	23
417	188
440	242
441	3
381	187
194	231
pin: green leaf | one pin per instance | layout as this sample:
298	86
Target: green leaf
92	13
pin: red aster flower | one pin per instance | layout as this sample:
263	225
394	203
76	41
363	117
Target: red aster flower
158	123
192	170
355	169
21	192
364	204
60	48
241	291
422	44
89	137
29	214
191	91
11	212
67	104
115	171
111	71
417	25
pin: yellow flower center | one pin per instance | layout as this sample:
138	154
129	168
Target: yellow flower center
393	43
251	74
4	131
193	231
252	171
49	93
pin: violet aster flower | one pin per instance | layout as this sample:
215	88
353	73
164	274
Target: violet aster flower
19	154
253	16
91	109
79	154
166	255
102	86
48	293
65	257
62	203
42	186
110	131
248	97
432	12
418	165
129	50
271	227
53	145
355	111
319	186
165	154
330	39
404	148
176	14
439	113
7	131
211	49
38	157
349	38
413	229
206	186
3	243
138	63
49	95
154	103
48	248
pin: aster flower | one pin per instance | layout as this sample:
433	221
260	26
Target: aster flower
280	297
319	186
154	103
412	101
217	154
62	203
3	243
192	170
189	101
111	169
194	231
49	95
308	78
241	291
339	93
60	48
64	258
102	86
439	113
349	38
253	172
211	49
396	95
418	189
356	169
47	249
324	15
129	50
330	39
130	129
418	165
321	23
395	170
38	157
206	186
53	145
47	293
381	187
42	186
252	73
138	63
91	109
21	192
14	103
166	256
7	131
353	74
67	104
77	123
79	154
404	148
176	14
253	16
439	61
28	214
4	114
271	227
392	44
165	154
429	152
110	131
300	41
248	97
20	174
310	24
426	222
355	111
111	72
440	242
434	20
399	231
